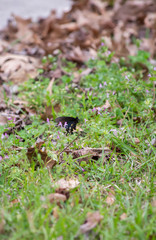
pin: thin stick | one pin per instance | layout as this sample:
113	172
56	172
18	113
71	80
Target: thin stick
126	113
51	178
69	145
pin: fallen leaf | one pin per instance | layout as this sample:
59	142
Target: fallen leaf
56	212
78	76
77	55
110	199
24	32
91	221
49	88
56	197
154	202
3	120
66	184
123	216
48	111
17	68
106	105
86	154
14	202
136	140
32	155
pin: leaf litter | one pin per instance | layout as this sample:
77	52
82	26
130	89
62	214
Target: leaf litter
78	32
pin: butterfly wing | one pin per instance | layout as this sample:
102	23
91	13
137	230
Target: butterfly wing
68	122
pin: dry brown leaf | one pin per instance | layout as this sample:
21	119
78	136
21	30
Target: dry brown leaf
56	197
110	199
150	21
106	105
32	155
136	140
70	27
77	55
78	76
48	111
132	10
24	32
3	120
56	212
18	68
49	88
123	216
154	202
14	202
85	154
67	184
20	102
91	221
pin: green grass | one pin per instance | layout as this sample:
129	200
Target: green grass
127	172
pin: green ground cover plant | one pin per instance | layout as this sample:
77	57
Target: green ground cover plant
116	108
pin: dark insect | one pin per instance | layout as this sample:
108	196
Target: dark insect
69	123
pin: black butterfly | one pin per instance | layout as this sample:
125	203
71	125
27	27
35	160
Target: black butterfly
68	122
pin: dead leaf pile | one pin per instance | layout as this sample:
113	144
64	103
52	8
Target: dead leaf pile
79	31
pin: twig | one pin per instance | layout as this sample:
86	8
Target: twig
69	145
125	114
50	175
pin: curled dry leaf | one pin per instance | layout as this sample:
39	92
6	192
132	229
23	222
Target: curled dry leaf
123	216
106	105
110	199
56	197
91	221
77	55
15	201
66	184
150	21
17	68
24	33
137	141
